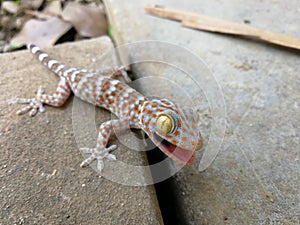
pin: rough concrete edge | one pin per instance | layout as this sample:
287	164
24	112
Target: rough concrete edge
123	57
116	37
153	192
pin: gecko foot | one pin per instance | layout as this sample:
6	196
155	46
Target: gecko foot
120	71
34	104
99	154
124	74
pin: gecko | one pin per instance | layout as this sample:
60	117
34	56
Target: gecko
171	126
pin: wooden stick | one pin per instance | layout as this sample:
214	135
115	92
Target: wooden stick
211	24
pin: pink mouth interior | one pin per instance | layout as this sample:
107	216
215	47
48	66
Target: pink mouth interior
178	154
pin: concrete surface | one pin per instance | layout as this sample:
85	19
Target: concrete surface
255	177
40	178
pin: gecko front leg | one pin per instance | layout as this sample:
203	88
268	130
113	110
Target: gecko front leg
101	151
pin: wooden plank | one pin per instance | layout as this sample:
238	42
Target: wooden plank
203	22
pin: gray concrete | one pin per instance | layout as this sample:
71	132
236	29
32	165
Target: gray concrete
255	177
40	178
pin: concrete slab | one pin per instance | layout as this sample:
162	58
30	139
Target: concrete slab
255	177
41	181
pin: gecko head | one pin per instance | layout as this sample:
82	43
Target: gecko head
172	128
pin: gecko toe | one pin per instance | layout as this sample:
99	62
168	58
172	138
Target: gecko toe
34	106
111	156
98	154
100	164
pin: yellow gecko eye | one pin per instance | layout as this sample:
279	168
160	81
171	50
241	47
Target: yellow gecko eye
164	123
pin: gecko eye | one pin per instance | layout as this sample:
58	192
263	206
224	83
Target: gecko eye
164	123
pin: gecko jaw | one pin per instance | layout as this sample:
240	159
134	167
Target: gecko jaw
180	155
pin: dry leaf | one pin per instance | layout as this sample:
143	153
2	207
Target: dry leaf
38	14
88	20
42	33
53	8
31	4
10	7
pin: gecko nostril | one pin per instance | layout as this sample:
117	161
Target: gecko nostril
199	144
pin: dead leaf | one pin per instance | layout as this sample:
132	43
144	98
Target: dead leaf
88	20
53	8
38	14
31	4
42	33
10	7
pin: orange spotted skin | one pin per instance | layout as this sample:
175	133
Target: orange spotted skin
183	141
133	110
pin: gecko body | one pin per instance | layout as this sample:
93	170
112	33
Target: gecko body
169	125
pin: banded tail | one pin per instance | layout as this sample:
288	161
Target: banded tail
52	64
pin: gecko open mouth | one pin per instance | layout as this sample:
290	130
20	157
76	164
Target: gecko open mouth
180	155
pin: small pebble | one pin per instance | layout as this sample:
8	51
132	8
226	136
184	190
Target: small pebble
54	173
5	21
2	35
6	48
18	24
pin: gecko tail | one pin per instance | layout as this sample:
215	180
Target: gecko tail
52	64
